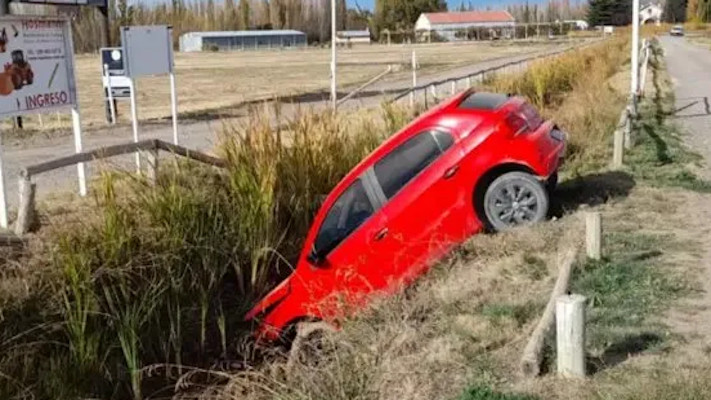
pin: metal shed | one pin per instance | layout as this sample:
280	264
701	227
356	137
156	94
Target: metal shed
242	40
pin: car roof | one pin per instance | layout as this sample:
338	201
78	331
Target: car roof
457	115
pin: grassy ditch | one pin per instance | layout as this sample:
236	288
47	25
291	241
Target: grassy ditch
147	289
466	322
150	280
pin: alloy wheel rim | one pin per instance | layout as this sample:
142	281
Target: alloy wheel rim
513	204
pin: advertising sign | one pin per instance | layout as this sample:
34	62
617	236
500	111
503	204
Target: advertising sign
148	50
37	65
112	58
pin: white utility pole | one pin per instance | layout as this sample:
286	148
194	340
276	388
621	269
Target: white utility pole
414	78
635	48
334	93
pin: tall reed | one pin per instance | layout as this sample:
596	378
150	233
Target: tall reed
158	280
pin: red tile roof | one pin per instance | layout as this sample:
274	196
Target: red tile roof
467	17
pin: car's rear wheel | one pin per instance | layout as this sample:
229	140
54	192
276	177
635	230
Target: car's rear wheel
515	199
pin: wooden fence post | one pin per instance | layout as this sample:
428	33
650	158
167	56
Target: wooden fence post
629	141
26	209
618	149
152	160
530	364
593	235
570	335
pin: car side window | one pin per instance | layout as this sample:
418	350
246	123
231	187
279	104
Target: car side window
444	139
398	168
348	213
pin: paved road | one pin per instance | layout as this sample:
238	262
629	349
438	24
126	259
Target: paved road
690	68
200	135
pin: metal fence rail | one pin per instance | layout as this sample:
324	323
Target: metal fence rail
26	210
479	76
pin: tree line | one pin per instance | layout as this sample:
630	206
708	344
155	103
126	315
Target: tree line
313	17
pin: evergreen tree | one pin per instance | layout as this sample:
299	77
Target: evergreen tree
341	15
402	14
675	11
610	12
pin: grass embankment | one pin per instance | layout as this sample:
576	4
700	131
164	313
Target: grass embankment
154	282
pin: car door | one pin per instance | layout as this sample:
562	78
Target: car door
346	250
425	199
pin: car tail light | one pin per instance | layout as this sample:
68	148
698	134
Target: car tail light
514	124
531	115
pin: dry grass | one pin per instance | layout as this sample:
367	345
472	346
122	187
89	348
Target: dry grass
465	324
435	338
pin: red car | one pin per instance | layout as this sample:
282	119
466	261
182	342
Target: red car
477	161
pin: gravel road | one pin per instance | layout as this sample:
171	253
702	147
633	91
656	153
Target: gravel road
201	135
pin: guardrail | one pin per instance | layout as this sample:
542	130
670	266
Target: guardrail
26	210
479	76
624	137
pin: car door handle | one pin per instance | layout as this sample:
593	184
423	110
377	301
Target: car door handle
381	234
451	172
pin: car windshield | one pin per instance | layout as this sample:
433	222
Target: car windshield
345	216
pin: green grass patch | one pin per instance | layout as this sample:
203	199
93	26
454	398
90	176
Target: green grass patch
486	393
625	290
660	158
521	313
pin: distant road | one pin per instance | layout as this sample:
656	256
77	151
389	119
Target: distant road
201	135
690	68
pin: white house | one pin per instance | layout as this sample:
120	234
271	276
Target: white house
651	12
578	24
449	25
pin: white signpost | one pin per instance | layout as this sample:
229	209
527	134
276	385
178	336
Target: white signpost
148	50
38	76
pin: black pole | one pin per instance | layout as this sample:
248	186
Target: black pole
106	28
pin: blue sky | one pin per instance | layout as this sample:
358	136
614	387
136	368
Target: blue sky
452	3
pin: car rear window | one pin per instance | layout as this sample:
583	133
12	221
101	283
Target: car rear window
399	167
483	101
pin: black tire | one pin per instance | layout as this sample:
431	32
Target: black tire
552	183
515	199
